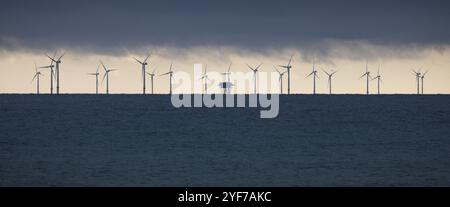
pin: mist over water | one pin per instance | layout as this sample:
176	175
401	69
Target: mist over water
135	140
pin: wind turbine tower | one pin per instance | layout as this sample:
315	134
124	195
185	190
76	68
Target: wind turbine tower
367	74
51	75
170	73
418	75
280	78
143	64
152	75
37	77
288	68
96	78
378	77
226	85
330	76
314	74
57	62
107	71
205	78
255	70
421	78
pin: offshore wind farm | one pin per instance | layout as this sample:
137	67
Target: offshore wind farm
224	93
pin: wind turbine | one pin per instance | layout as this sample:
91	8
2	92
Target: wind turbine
107	71
367	74
205	78
143	64
96	78
314	74
51	73
418	75
378	77
227	84
330	76
36	75
280	78
57	62
152	76
421	78
255	70
288	68
170	73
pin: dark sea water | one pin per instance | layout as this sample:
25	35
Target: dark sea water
132	140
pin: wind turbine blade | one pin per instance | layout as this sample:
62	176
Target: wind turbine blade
258	66
62	56
146	58
98	67
250	67
53	60
103	65
290	60
138	61
363	75
165	74
229	68
104	76
309	74
34	77
326	72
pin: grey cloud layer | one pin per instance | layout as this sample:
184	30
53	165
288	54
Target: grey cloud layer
255	25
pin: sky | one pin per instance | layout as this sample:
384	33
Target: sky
395	35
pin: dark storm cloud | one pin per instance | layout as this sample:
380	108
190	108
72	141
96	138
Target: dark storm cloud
109	25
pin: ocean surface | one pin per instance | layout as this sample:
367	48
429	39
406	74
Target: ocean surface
135	140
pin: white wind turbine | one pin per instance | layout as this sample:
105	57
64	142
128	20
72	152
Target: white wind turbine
143	64
288	68
421	78
107	71
152	75
205	79
226	85
418	75
37	77
280	79
96	74
330	76
57	62
51	73
314	74
255	70
170	73
367	74
378	77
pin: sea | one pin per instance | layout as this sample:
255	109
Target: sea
137	140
